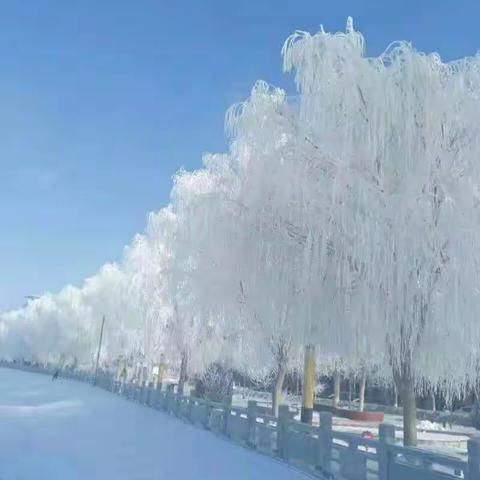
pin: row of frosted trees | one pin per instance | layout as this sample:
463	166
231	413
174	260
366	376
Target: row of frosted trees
341	227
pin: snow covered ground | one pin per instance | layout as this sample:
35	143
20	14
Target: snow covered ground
67	430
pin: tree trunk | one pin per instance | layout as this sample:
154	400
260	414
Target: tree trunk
434	403
350	390
143	375
406	390
183	373
475	415
308	384
336	388
161	372
395	396
277	388
363	382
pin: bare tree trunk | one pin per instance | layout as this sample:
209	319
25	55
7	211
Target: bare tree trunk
434	402
161	372
280	352
336	388
363	382
350	390
278	387
475	415
395	394
404	376
406	390
143	375
308	384
183	373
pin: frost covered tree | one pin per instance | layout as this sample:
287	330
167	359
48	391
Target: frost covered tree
196	323
269	241
144	263
48	329
403	131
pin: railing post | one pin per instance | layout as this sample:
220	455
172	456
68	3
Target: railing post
149	394
169	398
190	408
153	395
226	416
176	403
252	420
159	399
474	458
141	391
208	409
146	388
386	433
324	453
131	391
282	431
133	397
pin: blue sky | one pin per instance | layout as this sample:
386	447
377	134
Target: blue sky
102	101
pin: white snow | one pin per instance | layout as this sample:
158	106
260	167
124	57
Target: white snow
428	425
72	431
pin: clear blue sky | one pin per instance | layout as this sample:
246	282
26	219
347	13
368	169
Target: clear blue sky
102	101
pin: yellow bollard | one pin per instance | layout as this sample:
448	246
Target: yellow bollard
308	384
161	372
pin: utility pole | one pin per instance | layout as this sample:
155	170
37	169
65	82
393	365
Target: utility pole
98	352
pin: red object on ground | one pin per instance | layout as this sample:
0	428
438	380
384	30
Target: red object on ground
361	416
365	416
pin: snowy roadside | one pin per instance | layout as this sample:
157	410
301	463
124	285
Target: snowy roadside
70	431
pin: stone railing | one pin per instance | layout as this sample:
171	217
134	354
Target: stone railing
319	450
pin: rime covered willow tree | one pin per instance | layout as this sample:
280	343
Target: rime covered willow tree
270	235
196	322
403	131
144	263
